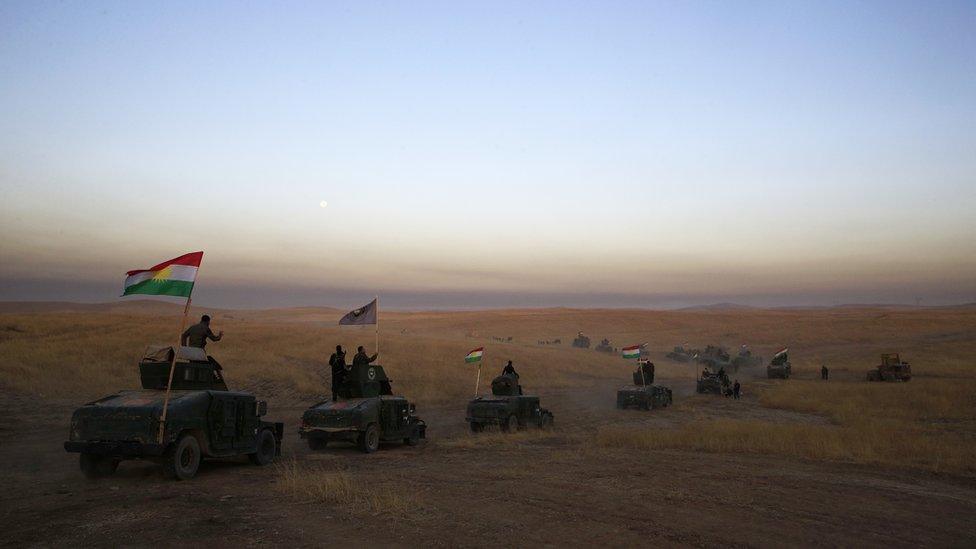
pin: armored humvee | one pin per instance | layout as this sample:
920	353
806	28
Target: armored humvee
366	413
507	407
715	358
680	354
891	369
643	393
745	359
581	341
712	382
780	366
203	419
605	347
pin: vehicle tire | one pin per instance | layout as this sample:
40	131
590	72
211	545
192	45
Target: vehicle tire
511	425
545	422
414	438
95	466
477	427
369	440
267	448
316	443
183	458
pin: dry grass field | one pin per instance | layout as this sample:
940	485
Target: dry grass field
62	356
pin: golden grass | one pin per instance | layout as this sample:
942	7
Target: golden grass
339	488
890	448
281	355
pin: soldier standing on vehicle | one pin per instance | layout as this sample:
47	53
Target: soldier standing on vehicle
736	390
198	334
338	363
509	370
824	372
361	358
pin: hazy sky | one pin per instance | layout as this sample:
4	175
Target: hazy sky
473	154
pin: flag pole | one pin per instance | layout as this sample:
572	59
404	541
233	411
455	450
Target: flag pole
172	368
477	383
376	298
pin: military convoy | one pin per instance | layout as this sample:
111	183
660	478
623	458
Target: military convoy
643	394
891	369
581	341
366	414
779	367
203	420
507	408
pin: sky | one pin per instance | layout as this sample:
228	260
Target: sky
485	154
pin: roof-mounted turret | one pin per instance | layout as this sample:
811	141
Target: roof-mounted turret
365	380
193	371
644	374
505	385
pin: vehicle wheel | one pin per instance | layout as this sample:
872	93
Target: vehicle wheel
183	458
369	440
316	443
477	427
511	425
545	421
94	466
267	448
413	439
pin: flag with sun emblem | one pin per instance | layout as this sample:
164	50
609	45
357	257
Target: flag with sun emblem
362	316
173	278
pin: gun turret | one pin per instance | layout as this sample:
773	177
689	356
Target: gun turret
193	371
506	385
365	380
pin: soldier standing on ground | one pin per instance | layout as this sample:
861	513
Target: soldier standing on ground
736	390
361	358
198	334
338	363
824	372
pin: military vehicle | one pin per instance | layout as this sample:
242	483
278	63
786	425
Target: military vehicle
712	382
715	358
203	420
779	366
366	413
891	369
605	347
643	393
581	341
680	354
745	359
507	407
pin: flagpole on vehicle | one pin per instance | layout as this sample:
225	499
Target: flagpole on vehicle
376	298
172	368
477	383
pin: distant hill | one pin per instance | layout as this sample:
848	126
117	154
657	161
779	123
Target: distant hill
719	307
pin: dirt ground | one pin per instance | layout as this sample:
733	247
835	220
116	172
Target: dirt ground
550	490
553	488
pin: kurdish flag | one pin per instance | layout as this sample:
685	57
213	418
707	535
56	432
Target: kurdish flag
633	351
174	277
474	355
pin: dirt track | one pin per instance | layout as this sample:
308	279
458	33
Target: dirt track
549	490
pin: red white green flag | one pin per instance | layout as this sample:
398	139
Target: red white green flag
173	278
632	352
474	355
